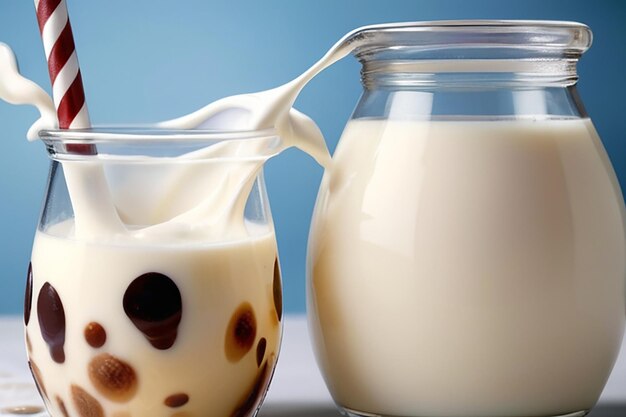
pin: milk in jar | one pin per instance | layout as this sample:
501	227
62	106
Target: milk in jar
466	252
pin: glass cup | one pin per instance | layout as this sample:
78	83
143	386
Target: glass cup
154	287
466	254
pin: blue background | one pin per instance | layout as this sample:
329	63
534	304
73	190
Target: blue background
129	52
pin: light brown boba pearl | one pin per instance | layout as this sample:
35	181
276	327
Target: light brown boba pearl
62	407
113	378
95	335
29	345
240	333
34	370
253	399
85	404
177	400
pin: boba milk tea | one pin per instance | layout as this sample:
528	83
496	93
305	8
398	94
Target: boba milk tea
178	315
466	255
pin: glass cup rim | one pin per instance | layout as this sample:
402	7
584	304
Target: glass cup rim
134	143
144	134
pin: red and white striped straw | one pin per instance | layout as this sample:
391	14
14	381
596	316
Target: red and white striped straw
67	84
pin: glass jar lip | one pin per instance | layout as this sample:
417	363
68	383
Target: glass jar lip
479	22
550	37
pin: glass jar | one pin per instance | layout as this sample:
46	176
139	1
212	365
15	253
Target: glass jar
466	254
154	287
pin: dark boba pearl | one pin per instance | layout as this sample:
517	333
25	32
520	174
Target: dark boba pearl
278	291
28	294
260	351
51	317
176	400
154	305
240	333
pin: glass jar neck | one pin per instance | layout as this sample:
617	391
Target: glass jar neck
418	103
471	54
475	69
468	74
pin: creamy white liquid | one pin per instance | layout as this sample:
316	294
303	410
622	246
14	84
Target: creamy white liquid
96	210
213	279
468	268
493	325
91	199
186	221
16	89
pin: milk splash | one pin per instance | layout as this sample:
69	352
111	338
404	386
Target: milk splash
221	212
16	89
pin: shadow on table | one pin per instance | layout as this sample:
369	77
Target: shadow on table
303	410
609	410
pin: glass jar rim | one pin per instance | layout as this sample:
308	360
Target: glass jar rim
535	37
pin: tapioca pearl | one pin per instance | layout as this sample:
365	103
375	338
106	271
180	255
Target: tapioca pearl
51	317
29	344
153	303
85	404
113	378
278	291
36	373
240	333
260	351
121	414
177	400
28	294
95	335
61	406
255	395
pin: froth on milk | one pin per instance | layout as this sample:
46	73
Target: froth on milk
467	268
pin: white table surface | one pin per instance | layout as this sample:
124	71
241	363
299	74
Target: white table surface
297	390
